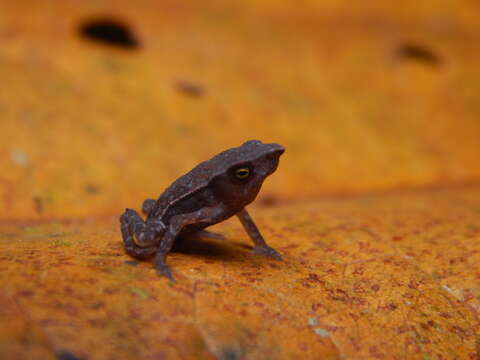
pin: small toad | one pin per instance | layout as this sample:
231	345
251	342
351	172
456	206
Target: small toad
211	192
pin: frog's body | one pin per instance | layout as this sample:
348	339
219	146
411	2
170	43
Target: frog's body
211	192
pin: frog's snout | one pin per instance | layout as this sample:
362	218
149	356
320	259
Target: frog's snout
277	149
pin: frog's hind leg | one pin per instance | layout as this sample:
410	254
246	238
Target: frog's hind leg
140	238
132	249
177	224
147	206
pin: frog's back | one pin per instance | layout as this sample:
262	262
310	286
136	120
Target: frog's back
185	186
200	177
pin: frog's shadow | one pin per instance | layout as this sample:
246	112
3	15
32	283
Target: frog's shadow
212	248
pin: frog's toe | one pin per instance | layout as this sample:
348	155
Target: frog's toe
127	216
164	270
124	218
267	251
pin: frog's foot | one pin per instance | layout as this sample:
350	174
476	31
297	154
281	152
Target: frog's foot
265	250
148	205
163	269
127	226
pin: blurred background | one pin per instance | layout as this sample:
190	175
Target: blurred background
104	103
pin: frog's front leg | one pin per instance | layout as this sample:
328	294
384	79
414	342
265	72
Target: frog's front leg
177	223
261	247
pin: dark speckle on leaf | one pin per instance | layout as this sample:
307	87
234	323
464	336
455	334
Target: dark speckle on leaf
92	189
67	355
268	200
189	88
38	204
420	53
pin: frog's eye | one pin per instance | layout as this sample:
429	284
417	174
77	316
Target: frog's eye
242	173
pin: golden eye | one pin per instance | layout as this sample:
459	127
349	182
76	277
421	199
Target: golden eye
242	173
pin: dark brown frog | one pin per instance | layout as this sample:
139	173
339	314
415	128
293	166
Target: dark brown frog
211	192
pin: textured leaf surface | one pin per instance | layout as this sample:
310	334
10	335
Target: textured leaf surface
365	96
390	276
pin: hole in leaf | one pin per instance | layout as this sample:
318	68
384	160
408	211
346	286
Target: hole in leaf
418	53
110	32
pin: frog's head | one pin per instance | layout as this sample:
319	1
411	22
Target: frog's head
261	158
245	169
